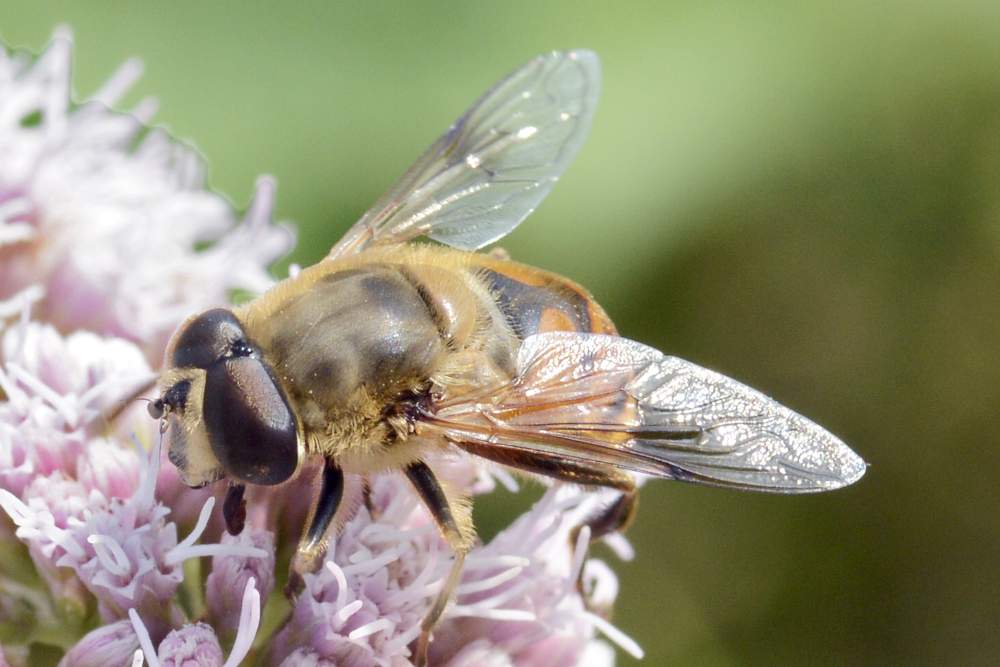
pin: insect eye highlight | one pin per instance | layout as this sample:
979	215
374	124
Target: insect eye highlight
241	348
207	338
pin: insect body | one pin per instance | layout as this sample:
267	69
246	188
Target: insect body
386	351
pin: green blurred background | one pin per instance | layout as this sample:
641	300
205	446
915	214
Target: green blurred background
801	195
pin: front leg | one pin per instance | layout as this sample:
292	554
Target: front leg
312	545
456	527
234	509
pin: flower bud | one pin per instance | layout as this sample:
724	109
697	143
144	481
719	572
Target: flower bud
191	646
225	586
112	644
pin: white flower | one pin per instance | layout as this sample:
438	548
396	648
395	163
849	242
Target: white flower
107	216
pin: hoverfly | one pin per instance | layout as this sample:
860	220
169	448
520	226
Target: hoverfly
386	351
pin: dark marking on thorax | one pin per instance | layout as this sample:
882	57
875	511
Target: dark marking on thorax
439	318
367	327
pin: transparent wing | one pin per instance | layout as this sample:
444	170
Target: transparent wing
612	401
494	165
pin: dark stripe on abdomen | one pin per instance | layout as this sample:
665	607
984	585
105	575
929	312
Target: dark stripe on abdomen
531	309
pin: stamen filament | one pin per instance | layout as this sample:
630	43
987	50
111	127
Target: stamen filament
459	611
111	555
371	628
144	640
623	641
176	556
341	578
249	623
119	82
490	582
350	610
199	528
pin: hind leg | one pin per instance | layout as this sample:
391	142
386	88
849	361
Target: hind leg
616	517
455	523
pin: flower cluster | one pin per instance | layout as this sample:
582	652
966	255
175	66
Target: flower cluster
87	196
108	239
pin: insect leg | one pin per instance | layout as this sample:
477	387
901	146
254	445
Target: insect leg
312	545
616	518
366	498
457	531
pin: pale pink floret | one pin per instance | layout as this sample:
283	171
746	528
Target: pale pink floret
109	468
517	597
63	499
365	606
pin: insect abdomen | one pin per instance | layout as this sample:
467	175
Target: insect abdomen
535	301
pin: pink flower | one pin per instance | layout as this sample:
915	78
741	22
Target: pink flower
517	597
83	193
124	552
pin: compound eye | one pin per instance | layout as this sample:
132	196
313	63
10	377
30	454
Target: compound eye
207	338
250	427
